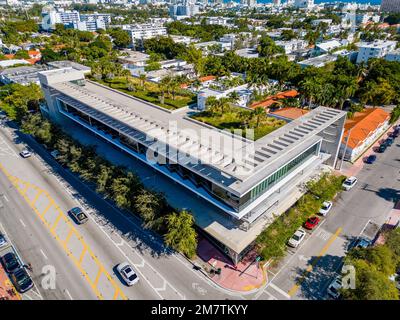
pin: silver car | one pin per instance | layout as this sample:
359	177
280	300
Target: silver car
25	153
127	273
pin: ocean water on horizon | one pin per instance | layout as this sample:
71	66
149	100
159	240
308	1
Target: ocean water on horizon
373	2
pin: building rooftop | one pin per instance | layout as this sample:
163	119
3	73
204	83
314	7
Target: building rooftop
290	113
376	44
363	124
319	61
227	159
22	75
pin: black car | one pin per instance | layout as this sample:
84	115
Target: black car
389	142
21	280
371	159
79	216
382	148
10	262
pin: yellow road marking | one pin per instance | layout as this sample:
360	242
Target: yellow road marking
36	198
96	281
56	222
64	242
8	283
296	287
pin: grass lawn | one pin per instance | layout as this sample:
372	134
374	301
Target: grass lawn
234	118
151	93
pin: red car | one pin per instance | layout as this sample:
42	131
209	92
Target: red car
311	223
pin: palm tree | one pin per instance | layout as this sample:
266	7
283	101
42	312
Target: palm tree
259	113
142	78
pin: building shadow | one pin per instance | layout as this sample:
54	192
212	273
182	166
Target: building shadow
389	194
106	213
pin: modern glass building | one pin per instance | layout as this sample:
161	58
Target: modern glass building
242	179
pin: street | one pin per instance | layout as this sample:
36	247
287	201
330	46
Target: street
306	272
29	187
112	236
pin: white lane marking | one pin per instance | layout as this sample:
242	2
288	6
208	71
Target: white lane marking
22	222
5	148
363	229
68	294
44	255
276	288
126	256
5	198
260	292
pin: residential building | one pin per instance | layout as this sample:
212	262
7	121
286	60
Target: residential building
237	185
24	75
303	4
140	32
376	49
390	6
326	46
362	130
393	55
319	61
292	45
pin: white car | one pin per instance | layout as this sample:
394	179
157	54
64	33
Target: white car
334	287
326	207
349	183
127	273
3	240
297	238
25	153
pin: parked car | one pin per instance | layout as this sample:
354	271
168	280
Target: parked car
349	183
297	238
10	262
334	287
25	153
382	148
395	134
361	243
311	223
389	141
326	207
127	273
3	240
21	280
371	159
79	216
55	154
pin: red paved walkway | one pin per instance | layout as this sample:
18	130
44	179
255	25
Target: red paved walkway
246	276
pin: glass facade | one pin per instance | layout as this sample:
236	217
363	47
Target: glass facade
283	172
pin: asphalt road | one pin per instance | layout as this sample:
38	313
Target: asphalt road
307	271
112	236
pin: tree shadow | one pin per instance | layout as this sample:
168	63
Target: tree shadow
103	210
389	194
313	284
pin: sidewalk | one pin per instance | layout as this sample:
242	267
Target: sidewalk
246	276
393	219
352	169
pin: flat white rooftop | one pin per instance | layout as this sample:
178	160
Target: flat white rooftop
228	160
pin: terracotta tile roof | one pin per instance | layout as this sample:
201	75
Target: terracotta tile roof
207	78
9	56
33	53
273	99
32	60
363	124
290	112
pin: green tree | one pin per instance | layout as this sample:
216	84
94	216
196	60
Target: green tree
120	37
370	284
181	235
395	114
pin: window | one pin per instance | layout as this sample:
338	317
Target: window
282	172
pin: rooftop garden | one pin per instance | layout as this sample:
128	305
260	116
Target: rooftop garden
167	94
223	115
